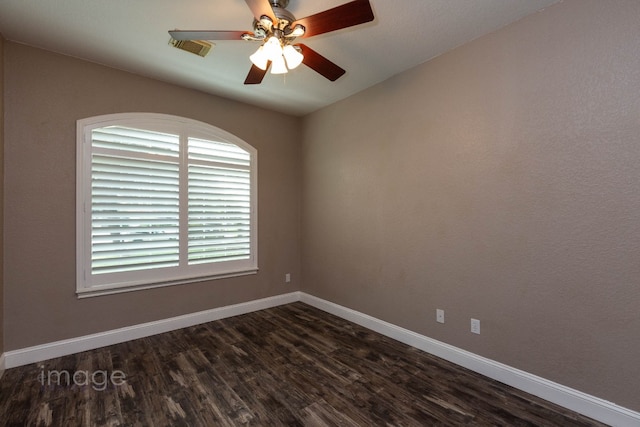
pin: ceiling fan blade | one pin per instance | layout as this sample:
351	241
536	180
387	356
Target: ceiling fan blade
260	8
320	64
208	35
256	74
347	15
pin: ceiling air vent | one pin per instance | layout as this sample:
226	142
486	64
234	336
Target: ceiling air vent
198	47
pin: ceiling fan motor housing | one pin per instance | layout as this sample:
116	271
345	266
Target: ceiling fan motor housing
279	3
285	18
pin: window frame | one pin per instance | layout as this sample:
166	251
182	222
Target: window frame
88	284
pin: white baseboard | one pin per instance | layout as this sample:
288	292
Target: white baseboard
89	342
2	365
594	407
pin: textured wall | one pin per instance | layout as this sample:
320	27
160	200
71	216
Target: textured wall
1	193
45	94
499	181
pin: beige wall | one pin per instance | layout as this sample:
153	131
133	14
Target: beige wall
500	181
45	94
1	194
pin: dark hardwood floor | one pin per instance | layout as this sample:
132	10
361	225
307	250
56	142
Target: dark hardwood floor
290	365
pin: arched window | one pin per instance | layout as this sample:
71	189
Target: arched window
162	200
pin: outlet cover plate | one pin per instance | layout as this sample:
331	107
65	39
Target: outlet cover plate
475	326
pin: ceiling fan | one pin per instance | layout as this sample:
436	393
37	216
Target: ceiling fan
277	28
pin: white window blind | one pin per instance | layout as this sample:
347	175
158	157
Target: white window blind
219	202
162	200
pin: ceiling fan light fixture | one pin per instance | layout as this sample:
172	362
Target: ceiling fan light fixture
272	48
278	66
292	56
260	58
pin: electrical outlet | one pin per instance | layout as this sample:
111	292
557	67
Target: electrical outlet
287	277
439	315
475	326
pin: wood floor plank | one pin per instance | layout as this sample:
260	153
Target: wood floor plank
290	365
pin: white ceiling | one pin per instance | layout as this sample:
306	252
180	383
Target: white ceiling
132	35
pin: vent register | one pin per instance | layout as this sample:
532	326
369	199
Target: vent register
198	47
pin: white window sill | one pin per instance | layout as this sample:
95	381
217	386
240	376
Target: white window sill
97	291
